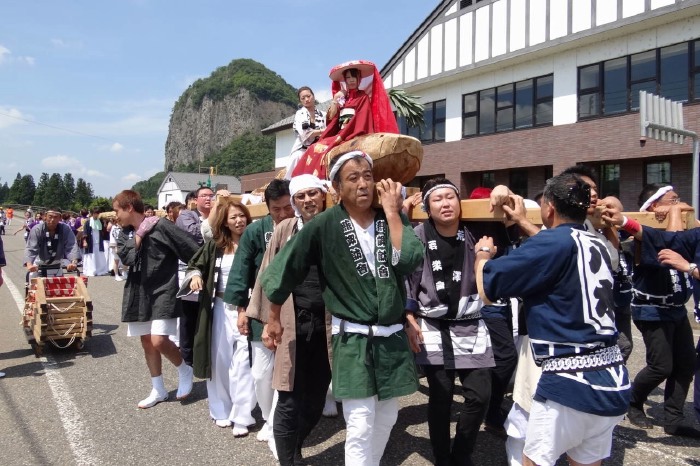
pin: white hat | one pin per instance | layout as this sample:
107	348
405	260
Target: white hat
301	182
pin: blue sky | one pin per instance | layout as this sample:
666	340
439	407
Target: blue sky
99	78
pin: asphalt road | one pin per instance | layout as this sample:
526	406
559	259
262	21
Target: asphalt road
79	407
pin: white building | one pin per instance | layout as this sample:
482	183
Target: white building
516	90
176	185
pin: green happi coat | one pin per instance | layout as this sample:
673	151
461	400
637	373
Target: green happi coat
382	366
251	249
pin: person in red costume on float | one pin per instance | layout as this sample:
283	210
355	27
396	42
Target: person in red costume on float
360	106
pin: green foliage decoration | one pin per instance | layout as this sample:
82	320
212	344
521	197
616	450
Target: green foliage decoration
407	106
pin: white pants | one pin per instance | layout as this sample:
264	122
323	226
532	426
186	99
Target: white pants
554	429
230	390
292	163
161	327
516	428
263	364
95	263
109	257
369	423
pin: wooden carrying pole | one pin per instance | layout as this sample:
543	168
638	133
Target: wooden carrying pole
477	210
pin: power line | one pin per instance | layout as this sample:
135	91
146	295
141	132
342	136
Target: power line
55	127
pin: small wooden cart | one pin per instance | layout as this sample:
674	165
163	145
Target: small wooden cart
57	310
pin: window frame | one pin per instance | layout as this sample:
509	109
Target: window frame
420	131
647	163
652	82
603	188
534	101
513	186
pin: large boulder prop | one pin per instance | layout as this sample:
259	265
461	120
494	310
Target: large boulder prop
395	156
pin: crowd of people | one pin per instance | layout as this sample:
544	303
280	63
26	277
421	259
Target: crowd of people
91	242
357	295
310	305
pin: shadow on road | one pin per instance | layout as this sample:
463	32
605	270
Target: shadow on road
17	354
100	344
27	369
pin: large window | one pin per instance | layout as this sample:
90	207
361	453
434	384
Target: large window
589	91
613	86
518	182
657	172
609	180
511	106
488	180
433	128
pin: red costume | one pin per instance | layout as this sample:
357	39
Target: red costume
373	114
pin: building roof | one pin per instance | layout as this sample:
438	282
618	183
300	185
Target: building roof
417	34
192	181
289	121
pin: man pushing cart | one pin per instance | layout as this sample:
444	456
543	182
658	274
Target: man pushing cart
57	308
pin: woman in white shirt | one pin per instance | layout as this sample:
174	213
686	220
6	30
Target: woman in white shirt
229	379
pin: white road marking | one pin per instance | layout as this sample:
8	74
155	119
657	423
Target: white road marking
80	443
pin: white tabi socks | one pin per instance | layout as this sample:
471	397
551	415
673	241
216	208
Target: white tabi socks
184	375
158	393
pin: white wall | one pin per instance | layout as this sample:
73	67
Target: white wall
491	30
563	65
283	146
170	195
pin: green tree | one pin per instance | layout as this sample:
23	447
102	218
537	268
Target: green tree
4	193
230	79
41	191
248	153
104	203
54	194
15	189
25	190
83	194
68	191
148	189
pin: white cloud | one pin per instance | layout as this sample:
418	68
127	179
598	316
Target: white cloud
6	57
116	147
10	116
132	178
61	161
69	164
97	173
130	126
4	54
59	43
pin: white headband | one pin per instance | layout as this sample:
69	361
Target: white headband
655	197
349	156
435	188
301	182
